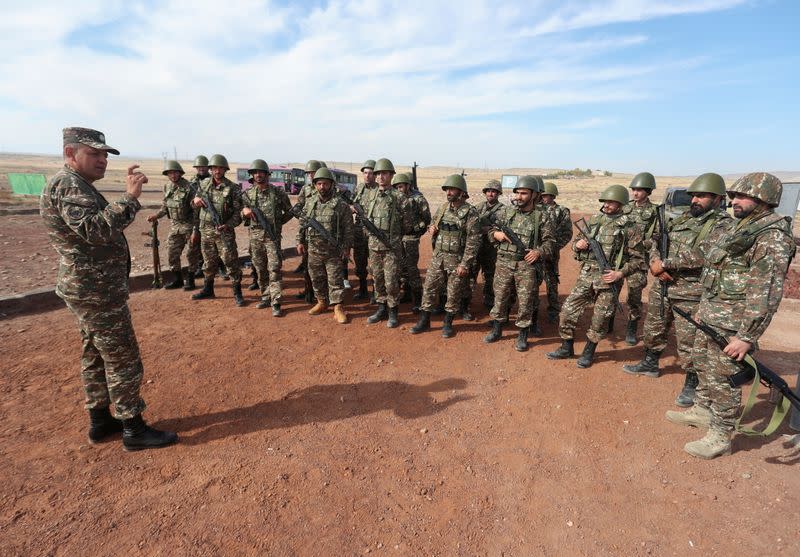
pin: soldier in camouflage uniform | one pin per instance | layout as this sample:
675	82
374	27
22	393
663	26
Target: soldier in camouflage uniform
516	269
419	218
487	254
620	240
324	259
456	234
177	205
691	235
219	240
274	205
643	213
200	166
306	192
360	250
94	264
562	220
742	283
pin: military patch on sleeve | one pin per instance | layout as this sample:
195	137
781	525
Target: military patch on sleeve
75	212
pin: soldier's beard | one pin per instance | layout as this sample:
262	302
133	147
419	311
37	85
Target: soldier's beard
696	210
741	212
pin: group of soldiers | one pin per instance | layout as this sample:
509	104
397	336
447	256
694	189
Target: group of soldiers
726	272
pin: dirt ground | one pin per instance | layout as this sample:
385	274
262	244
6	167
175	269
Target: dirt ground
303	437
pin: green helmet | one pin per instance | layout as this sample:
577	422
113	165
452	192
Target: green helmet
384	164
172	165
322	164
528	182
258	164
759	185
369	163
708	183
644	181
219	160
551	189
455	181
401	178
313	165
324	173
200	160
615	193
493	185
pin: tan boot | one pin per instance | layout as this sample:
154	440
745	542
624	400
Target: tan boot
318	308
339	314
694	416
715	443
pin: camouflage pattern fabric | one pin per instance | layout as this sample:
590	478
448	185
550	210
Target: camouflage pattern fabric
487	254
562	220
713	391
177	205
180	236
656	327
360	251
387	210
410	264
385	266
218	246
644	216
419	217
215	245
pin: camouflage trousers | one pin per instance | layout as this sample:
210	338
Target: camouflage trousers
636	283
583	294
327	277
485	263
714	393
180	236
385	267
220	245
267	260
111	368
360	252
656	327
442	274
551	283
511	274
410	270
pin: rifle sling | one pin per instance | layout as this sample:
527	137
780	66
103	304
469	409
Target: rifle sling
781	409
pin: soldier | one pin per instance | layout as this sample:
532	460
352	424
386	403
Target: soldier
562	220
274	205
620	240
419	218
307	192
324	259
360	250
456	233
643	213
87	232
177	205
219	240
742	282
517	269
691	235
487	254
200	166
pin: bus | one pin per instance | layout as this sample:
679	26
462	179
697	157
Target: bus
280	176
345	180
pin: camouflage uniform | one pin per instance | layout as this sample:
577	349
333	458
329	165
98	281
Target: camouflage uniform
387	210
419	217
644	216
216	245
487	254
360	250
177	205
562	221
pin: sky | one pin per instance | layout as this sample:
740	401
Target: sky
676	87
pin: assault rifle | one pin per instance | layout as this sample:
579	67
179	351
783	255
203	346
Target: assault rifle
262	221
414	177
766	376
600	256
374	230
154	243
311	222
215	218
510	234
663	251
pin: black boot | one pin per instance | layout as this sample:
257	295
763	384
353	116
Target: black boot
254	286
223	271
177	281
465	314
423	324
447	327
648	366
534	328
379	315
416	300
137	435
588	354
686	396
497	332
362	289
393	322
102	424
522	340
207	291
237	294
630	332
276	310
188	282
566	350
264	303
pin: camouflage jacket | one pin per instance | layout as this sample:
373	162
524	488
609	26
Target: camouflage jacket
486	213
196	179
459	233
621	240
306	192
744	275
645	217
387	211
535	228
335	216
419	215
177	204
227	200
272	202
86	231
562	221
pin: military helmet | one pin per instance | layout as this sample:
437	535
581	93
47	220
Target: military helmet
529	182
324	173
322	164
313	166
759	185
455	181
200	160
172	165
369	163
708	183
219	160
258	164
615	193
644	181
493	185
384	164
551	189
401	178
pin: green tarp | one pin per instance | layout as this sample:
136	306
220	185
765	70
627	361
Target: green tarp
27	184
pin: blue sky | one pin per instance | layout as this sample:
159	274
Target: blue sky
672	86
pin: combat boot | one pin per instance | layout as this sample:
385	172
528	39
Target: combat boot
362	289
416	300
588	354
465	313
379	315
223	271
207	291
630	332
534	329
497	331
188	282
393	321
177	281
339	314
715	443
276	310
447	327
696	416
648	366
566	350
102	424
522	340
254	286
423	324
264	303
686	396
318	308
137	435
237	294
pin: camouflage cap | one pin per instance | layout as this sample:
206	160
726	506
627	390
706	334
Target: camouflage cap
87	136
759	185
493	185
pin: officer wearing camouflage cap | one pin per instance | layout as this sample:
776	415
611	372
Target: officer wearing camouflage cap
87	232
562	220
742	280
